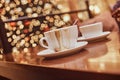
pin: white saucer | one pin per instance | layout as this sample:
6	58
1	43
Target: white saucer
103	35
51	53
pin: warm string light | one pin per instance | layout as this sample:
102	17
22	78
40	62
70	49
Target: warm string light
31	8
95	9
27	33
24	34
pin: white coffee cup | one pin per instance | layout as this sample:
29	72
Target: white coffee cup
60	39
91	30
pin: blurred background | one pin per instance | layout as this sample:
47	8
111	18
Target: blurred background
23	22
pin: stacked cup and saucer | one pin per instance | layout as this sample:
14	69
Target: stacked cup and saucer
93	32
60	42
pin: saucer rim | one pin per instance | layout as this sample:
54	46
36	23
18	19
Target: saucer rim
64	52
104	34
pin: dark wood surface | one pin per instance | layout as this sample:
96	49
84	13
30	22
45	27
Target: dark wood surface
99	60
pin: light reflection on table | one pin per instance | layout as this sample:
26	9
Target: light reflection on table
101	56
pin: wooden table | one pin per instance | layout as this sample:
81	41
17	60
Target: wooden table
101	56
99	60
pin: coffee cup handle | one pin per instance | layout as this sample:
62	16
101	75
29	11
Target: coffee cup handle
42	42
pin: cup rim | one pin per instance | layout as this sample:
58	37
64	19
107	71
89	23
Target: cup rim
52	30
68	27
88	25
61	28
